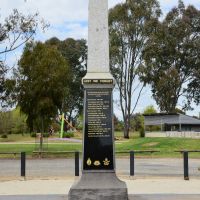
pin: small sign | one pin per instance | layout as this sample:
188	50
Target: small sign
97	81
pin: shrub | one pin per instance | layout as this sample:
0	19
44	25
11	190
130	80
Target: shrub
4	136
142	132
68	134
56	127
45	135
33	134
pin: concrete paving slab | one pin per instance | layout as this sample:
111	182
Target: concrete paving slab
164	197
131	197
34	197
135	186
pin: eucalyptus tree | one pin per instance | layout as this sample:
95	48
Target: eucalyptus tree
43	82
172	56
193	89
130	24
75	53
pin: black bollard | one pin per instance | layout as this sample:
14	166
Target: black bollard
76	163
132	163
186	166
23	164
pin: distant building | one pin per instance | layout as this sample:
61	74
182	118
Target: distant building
173	122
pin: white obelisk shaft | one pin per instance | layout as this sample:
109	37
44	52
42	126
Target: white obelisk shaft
98	39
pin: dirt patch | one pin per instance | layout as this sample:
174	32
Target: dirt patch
151	144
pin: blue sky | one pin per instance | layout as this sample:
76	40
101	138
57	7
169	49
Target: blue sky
68	18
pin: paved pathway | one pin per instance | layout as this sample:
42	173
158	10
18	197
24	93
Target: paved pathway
139	189
131	197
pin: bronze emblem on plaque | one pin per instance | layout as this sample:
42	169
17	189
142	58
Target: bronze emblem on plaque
89	162
97	163
106	162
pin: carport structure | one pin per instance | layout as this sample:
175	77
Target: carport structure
172	122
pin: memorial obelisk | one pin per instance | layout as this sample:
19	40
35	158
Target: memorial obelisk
98	180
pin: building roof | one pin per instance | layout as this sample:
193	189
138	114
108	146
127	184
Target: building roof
171	119
161	114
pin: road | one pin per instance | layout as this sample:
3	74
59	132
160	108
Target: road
65	167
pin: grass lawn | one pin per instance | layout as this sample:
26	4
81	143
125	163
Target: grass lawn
166	146
17	138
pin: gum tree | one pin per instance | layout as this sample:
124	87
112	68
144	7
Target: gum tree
43	82
130	24
172	56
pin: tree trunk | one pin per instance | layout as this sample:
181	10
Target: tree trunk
126	133
126	127
30	124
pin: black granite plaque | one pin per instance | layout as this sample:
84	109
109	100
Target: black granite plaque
98	138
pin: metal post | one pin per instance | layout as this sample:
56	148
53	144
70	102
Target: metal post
41	141
23	164
186	166
77	163
132	163
62	125
180	126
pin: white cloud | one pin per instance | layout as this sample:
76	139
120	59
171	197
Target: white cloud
68	30
68	18
56	12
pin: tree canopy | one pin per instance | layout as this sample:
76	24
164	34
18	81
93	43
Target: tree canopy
13	122
193	89
172	55
130	24
49	80
43	80
149	110
75	53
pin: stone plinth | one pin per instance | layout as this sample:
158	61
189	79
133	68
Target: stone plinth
98	186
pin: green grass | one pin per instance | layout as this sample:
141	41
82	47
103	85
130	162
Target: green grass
29	148
166	146
17	138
